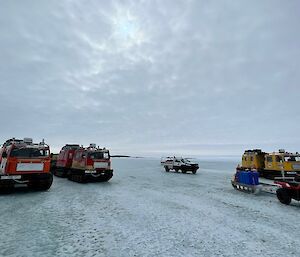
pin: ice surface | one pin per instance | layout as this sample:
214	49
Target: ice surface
144	211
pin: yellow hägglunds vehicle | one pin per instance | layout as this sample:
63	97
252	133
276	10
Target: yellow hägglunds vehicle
271	165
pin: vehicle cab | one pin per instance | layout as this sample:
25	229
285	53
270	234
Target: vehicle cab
23	161
91	163
92	159
253	159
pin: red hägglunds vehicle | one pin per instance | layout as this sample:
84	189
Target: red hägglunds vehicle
23	162
84	164
64	160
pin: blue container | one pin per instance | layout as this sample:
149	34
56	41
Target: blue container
255	175
247	178
251	178
242	177
239	176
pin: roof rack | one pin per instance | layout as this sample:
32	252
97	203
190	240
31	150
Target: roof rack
13	141
253	151
23	142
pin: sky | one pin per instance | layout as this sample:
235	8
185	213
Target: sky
152	77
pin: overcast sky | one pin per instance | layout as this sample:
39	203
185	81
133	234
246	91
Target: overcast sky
143	76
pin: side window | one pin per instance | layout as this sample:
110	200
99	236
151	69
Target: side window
251	158
269	159
278	158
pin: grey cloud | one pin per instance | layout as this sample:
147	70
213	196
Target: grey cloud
129	74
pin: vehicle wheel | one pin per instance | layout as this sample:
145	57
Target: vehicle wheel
42	185
54	172
183	171
79	178
6	188
167	169
194	171
82	179
46	185
59	173
176	169
283	196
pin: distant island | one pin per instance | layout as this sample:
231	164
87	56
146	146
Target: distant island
124	156
120	156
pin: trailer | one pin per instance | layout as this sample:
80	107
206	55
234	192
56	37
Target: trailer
250	182
253	189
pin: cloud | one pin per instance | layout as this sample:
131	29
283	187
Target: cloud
127	74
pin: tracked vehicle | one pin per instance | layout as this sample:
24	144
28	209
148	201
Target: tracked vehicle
25	163
64	160
271	165
84	164
53	161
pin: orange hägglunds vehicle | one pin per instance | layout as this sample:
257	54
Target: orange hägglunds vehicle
84	164
23	162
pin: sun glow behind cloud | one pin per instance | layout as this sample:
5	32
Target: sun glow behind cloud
126	29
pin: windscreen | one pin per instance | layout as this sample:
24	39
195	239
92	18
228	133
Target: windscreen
292	159
29	152
99	155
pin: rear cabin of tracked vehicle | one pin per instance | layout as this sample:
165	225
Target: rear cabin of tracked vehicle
64	160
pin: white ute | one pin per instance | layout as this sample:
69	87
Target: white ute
183	164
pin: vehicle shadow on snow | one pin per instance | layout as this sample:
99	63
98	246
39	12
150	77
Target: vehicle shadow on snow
294	204
21	190
179	173
95	184
263	195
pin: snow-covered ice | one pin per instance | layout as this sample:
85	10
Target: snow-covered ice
144	211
